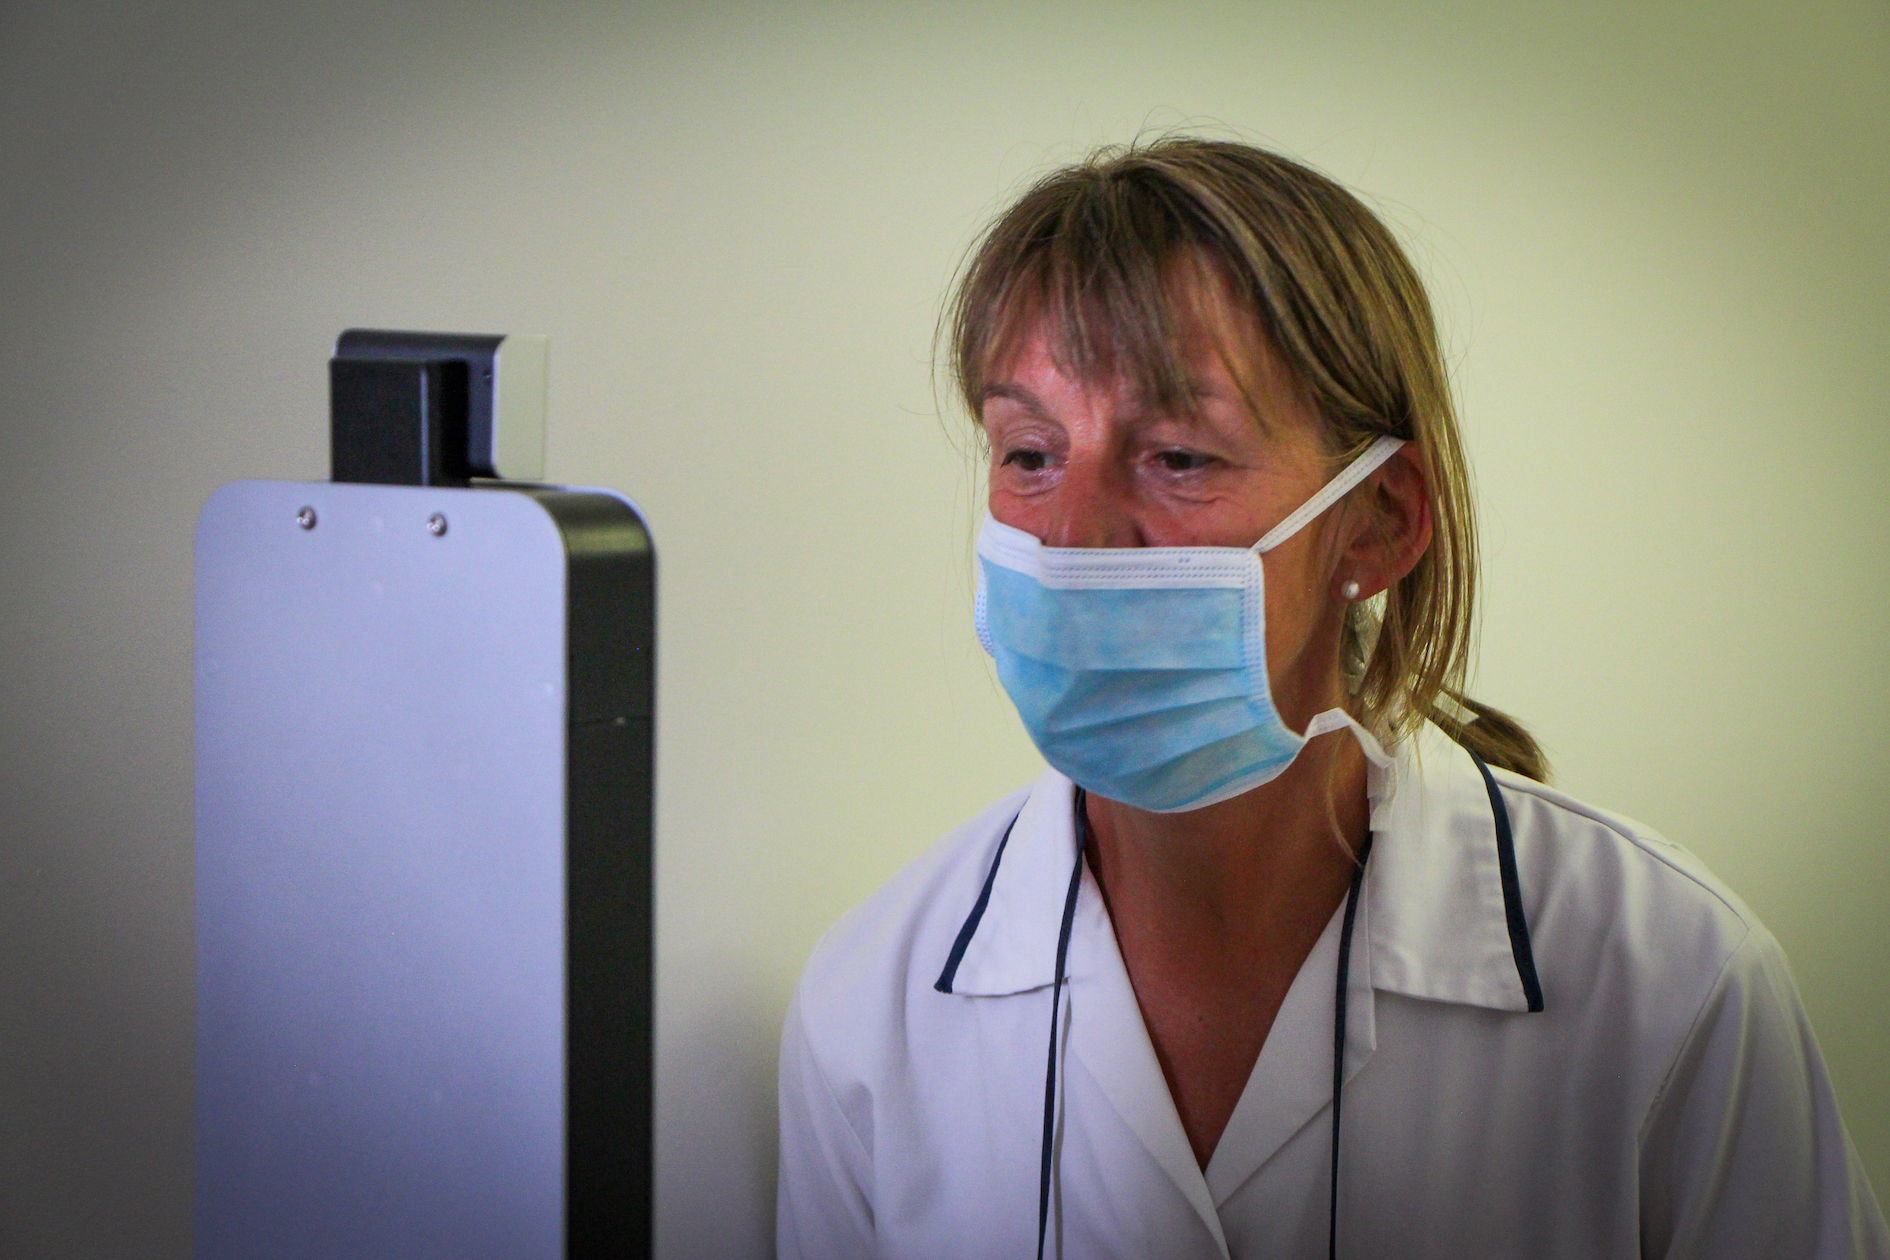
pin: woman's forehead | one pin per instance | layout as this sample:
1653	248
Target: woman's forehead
1215	351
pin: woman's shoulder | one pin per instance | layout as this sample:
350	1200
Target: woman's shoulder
1499	891
1615	905
1619	862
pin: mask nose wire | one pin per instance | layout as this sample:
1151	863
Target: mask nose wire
1364	466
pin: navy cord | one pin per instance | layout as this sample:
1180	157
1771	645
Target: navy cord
1056	1008
1338	1040
1519	940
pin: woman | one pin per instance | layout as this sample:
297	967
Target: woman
1290	952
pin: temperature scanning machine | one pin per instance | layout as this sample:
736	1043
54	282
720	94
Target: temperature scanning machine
424	705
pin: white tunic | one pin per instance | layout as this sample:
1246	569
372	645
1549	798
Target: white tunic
1668	1100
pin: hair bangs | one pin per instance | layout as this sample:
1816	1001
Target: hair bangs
1105	267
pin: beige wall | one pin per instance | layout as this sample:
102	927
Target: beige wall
1659	237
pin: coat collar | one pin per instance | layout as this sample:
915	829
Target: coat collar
1443	928
1012	941
1437	919
1439	926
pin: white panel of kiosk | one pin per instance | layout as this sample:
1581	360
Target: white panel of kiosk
381	764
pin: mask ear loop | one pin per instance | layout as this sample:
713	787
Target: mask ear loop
1364	466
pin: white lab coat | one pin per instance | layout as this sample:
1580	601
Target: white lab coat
1668	1100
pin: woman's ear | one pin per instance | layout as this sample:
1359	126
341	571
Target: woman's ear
1396	527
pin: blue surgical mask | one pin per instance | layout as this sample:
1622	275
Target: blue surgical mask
1141	672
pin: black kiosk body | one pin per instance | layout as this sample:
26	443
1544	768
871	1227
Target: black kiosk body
424	735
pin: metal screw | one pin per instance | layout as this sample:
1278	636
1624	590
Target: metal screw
436	525
306	518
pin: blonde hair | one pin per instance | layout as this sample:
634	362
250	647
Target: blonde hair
1093	249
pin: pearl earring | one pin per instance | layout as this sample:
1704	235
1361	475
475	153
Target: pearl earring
1349	591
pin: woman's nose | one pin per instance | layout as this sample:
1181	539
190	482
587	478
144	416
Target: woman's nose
1093	508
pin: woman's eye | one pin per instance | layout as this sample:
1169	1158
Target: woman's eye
1182	461
1025	461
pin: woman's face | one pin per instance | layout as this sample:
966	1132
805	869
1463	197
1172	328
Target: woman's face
1091	464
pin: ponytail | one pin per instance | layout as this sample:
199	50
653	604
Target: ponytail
1492	735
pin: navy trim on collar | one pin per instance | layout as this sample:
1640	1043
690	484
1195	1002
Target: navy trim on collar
1515	919
970	929
1512	891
